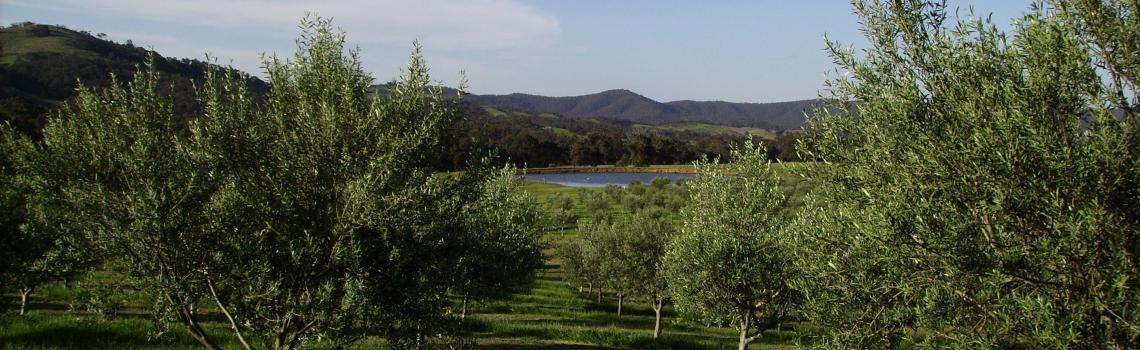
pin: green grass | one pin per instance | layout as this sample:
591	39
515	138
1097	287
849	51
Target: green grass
558	316
560	131
494	112
64	331
543	190
20	41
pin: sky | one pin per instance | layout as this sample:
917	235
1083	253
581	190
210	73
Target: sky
737	51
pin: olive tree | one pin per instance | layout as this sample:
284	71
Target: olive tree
38	246
561	209
330	221
731	262
630	251
984	193
309	213
118	168
504	230
580	260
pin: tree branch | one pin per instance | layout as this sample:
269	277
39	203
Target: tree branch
233	324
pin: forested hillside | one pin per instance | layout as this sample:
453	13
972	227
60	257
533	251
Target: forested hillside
41	64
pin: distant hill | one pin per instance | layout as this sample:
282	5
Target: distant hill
40	65
630	106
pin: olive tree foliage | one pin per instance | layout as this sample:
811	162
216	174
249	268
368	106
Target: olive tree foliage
12	212
730	262
116	168
581	261
597	203
33	250
311	213
504	226
985	193
629	256
561	209
330	222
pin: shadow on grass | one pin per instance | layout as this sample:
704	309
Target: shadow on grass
70	333
541	347
40	331
610	337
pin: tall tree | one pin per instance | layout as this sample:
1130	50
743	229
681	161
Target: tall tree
985	192
118	168
730	262
504	252
330	219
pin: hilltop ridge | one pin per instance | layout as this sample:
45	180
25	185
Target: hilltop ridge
621	104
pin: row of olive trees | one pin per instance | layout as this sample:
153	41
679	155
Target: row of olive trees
619	249
622	256
984	194
309	214
723	263
728	264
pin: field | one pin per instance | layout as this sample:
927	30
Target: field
550	315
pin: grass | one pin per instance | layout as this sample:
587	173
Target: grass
552	315
20	41
62	331
560	131
494	112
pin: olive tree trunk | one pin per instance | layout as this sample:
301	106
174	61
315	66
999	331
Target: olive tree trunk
463	312
658	304
745	325
621	298
24	293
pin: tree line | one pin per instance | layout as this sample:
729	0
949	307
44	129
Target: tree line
535	141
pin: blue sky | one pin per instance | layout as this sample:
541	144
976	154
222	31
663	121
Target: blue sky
739	51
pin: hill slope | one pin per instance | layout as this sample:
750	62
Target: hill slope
40	65
629	106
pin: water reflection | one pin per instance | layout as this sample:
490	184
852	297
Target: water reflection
591	180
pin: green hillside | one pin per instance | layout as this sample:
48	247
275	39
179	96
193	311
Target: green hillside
40	66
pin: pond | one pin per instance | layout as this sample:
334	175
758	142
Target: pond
603	179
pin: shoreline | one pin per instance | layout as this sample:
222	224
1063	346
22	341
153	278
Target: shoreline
652	169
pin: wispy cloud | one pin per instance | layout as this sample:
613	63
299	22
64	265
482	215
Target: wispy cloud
440	24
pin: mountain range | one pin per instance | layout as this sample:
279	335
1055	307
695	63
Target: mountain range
629	106
39	65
